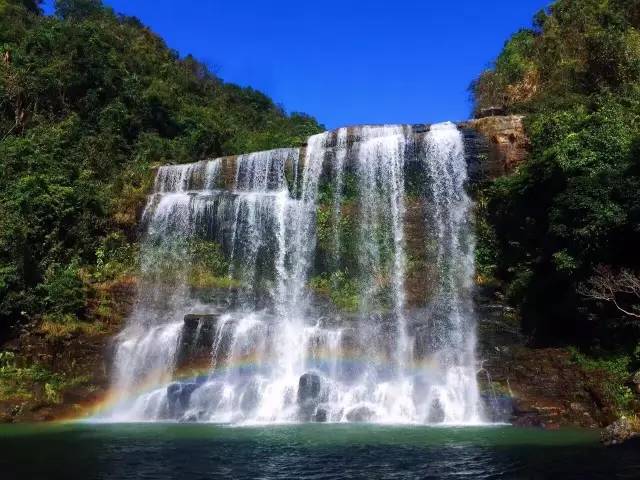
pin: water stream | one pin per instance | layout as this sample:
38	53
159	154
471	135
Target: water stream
327	283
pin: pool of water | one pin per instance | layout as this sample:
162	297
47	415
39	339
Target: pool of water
201	451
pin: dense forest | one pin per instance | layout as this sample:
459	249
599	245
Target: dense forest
90	101
565	228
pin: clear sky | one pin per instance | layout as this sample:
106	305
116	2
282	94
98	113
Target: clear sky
345	62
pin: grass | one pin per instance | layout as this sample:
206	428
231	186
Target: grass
19	383
614	379
202	278
62	326
341	290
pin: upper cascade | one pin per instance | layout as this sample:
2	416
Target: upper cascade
330	282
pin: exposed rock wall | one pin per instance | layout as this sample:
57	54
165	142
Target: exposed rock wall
508	144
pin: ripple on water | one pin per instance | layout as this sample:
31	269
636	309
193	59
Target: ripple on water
167	451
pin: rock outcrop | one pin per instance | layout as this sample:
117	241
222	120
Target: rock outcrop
308	395
620	431
636	381
508	142
196	340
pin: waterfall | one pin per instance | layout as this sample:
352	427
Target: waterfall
331	282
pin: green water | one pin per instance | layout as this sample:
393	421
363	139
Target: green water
200	451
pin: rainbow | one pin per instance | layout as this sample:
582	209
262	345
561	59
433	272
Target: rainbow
249	364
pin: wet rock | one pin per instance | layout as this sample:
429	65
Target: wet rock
308	395
178	396
360	414
191	320
199	329
508	142
527	420
320	416
350	340
636	381
190	418
250	399
436	412
423	342
197	337
498	408
618	432
308	388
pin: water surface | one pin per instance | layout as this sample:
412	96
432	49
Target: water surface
182	451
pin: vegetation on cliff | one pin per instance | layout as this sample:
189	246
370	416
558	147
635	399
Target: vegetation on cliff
575	205
90	101
560	235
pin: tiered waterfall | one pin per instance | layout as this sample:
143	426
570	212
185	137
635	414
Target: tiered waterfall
331	282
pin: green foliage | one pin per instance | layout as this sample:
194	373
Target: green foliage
115	257
63	290
56	326
575	203
21	382
78	9
208	254
209	268
342	290
578	48
486	249
615	378
89	102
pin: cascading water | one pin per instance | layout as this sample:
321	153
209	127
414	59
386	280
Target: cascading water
298	271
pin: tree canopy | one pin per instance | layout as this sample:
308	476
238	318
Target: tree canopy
575	205
90	101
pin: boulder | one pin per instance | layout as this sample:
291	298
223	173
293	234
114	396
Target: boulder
308	395
250	398
498	408
320	416
636	381
618	432
196	339
493	111
436	412
308	388
360	414
178	397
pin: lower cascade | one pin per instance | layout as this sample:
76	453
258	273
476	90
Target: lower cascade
327	283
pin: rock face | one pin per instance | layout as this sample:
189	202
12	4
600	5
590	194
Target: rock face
309	395
82	359
178	395
508	142
196	340
360	414
545	388
618	432
636	381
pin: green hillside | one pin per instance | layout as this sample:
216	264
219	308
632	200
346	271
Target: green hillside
566	225
90	101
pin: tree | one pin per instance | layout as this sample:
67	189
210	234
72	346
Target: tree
575	203
618	288
90	102
31	5
78	9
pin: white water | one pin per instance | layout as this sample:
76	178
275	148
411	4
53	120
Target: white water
279	353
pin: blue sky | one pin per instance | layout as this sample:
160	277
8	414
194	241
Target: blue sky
345	62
